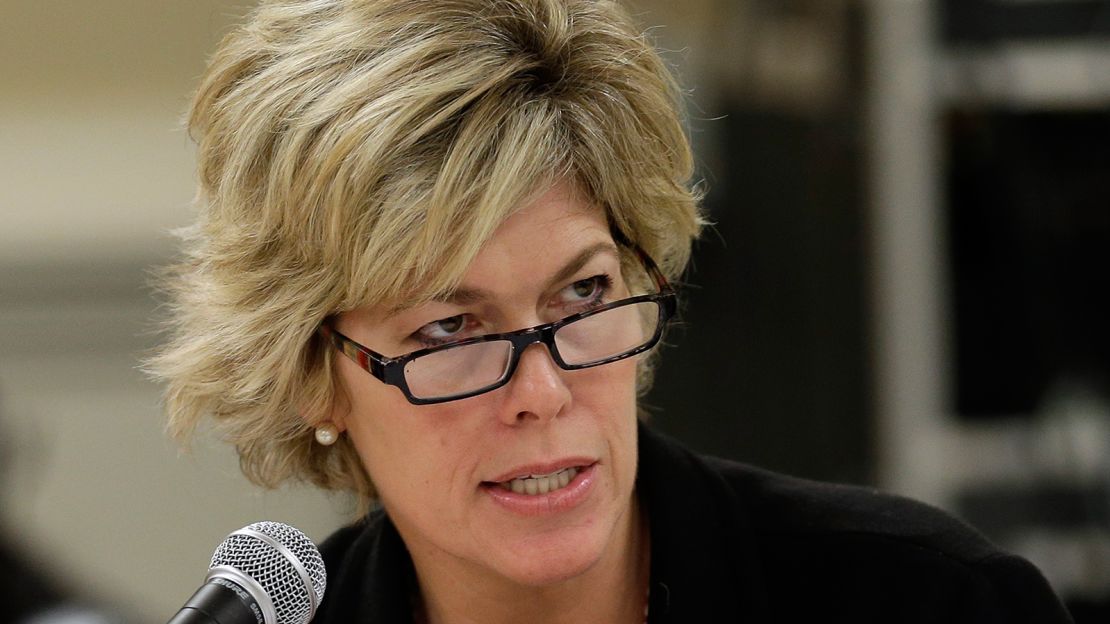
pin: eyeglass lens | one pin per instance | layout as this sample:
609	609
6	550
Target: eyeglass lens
592	339
609	333
458	370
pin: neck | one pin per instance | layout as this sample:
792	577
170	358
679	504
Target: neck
612	590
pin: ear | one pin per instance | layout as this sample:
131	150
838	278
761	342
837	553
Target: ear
335	413
340	408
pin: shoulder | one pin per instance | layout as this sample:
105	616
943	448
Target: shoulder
846	541
802	509
775	505
855	551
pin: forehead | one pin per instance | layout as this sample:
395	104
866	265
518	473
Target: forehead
538	238
546	231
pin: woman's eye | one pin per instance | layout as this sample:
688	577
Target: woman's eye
450	325
590	290
585	288
443	330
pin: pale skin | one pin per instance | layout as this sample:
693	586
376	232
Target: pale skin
434	465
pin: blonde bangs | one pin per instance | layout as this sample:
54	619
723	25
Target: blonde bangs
479	183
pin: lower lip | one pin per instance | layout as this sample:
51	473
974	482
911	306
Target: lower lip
551	503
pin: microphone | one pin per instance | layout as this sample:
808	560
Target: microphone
264	573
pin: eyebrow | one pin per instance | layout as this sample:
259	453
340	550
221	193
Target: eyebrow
470	296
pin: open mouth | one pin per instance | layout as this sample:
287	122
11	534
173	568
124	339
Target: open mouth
539	484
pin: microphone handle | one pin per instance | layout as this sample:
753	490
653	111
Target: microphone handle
219	601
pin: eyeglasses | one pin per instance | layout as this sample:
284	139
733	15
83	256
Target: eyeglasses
466	368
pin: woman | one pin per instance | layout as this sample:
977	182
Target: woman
425	270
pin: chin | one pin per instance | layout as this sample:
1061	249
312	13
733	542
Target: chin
550	569
555	557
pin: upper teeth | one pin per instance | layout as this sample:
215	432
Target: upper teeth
541	484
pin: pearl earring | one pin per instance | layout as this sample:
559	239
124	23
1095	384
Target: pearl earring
327	434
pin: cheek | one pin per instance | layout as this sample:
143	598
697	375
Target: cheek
609	389
402	446
377	423
611	398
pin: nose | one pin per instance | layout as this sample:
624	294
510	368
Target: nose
537	390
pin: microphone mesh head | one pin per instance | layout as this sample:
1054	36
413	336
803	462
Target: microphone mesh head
274	571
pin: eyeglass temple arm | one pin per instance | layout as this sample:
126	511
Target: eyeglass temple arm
365	358
653	269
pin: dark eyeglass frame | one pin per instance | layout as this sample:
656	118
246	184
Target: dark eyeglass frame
391	370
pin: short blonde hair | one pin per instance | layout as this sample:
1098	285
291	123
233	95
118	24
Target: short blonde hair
357	152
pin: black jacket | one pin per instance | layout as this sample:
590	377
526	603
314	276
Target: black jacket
732	543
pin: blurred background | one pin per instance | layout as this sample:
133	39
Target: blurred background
906	284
